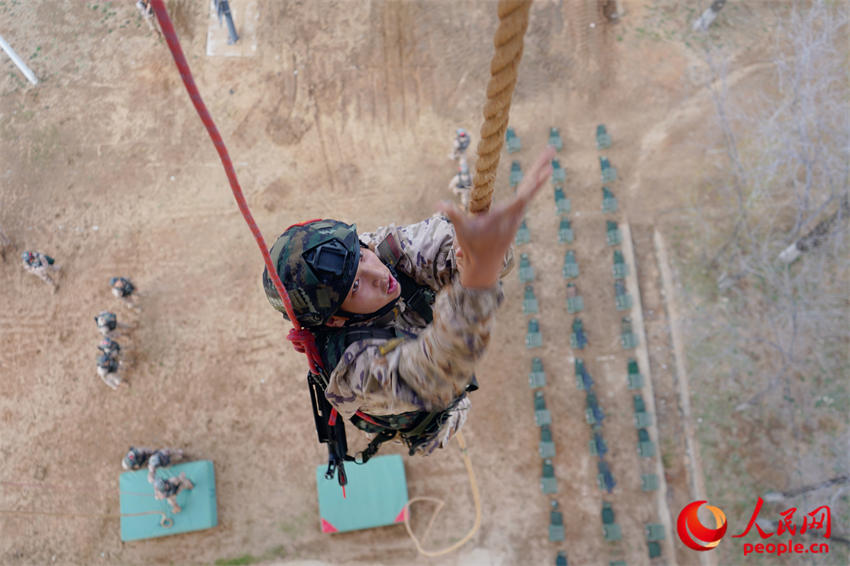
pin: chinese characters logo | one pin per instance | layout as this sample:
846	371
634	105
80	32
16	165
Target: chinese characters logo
693	533
818	517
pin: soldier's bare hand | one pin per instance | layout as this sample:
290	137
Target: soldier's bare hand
486	238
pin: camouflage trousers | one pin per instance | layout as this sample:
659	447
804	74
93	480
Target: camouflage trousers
110	378
41	272
129	301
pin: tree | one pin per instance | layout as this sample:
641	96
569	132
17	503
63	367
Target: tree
768	340
787	169
818	235
5	244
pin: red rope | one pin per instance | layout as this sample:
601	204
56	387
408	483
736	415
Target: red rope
302	340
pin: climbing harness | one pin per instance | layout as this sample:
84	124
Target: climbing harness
414	428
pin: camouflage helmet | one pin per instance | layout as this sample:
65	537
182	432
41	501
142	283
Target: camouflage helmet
132	460
316	261
107	319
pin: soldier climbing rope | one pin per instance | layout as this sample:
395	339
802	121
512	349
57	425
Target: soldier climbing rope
508	41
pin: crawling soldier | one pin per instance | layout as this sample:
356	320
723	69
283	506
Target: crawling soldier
170	488
461	184
123	289
108	325
109	347
107	369
160	459
146	11
136	458
39	264
460	144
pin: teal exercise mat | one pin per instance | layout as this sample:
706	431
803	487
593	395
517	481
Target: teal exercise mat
374	497
141	514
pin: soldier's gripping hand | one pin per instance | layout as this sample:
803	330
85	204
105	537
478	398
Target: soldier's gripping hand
485	238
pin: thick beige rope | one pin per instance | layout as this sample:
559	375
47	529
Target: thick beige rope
508	41
164	520
513	21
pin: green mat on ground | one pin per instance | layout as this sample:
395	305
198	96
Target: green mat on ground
199	504
374	497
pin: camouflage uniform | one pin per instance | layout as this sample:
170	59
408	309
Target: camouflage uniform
39	264
123	289
433	365
107	369
136	458
162	459
170	488
109	347
146	11
108	325
461	184
460	144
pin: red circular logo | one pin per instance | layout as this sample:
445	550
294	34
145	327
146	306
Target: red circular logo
692	532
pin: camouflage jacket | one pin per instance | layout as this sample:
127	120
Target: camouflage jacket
433	365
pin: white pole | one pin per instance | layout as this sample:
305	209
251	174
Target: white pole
18	61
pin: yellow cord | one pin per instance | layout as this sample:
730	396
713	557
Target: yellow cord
440	504
164	521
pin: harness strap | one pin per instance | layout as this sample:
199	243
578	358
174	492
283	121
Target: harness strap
372	449
416	296
329	345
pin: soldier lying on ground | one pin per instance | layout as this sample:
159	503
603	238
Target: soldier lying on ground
109	347
170	488
39	264
107	369
146	11
136	458
461	184
460	144
162	458
108	325
401	315
123	289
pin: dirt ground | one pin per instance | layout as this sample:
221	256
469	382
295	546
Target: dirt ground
347	111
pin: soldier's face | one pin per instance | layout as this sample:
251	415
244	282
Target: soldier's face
373	287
